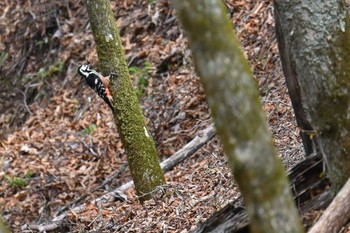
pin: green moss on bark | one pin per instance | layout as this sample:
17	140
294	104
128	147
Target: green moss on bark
141	153
339	166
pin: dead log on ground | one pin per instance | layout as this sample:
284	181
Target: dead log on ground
336	215
310	190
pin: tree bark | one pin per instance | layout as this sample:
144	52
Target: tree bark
3	226
315	39
139	145
293	86
241	124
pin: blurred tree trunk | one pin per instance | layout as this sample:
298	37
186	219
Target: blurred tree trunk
139	145
3	226
241	124
314	42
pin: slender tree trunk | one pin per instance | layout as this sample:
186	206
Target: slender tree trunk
314	36
241	124
139	145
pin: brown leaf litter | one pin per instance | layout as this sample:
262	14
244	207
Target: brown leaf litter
68	145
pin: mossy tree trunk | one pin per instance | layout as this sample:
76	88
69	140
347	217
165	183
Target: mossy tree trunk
139	145
3	226
241	124
314	42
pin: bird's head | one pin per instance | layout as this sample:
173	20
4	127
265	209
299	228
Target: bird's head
84	70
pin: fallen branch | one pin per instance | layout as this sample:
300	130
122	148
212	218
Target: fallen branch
44	228
337	213
189	149
104	183
304	180
185	152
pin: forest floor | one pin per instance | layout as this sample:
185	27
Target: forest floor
58	141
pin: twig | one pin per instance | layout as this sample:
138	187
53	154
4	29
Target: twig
159	189
44	228
25	99
104	183
81	112
21	63
112	177
93	152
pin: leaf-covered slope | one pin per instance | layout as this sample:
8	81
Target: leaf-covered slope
68	144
